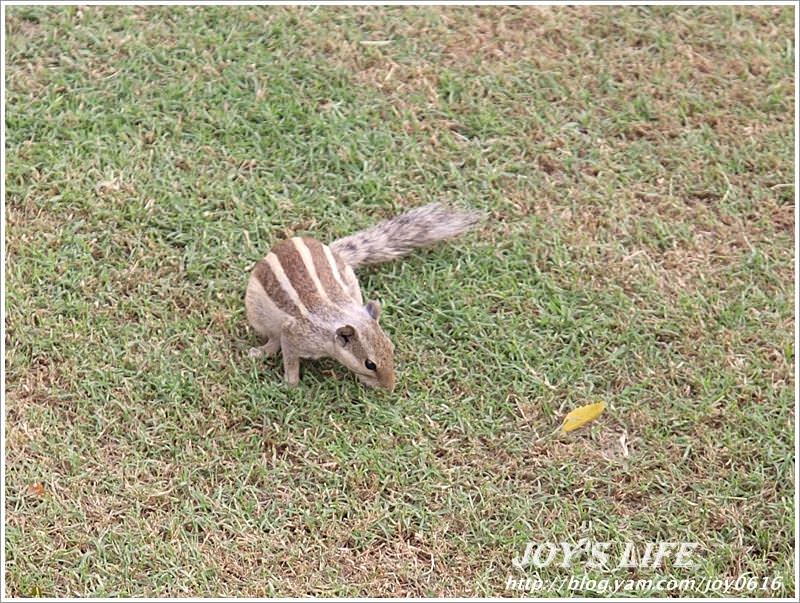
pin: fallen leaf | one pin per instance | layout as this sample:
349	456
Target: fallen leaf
582	415
36	489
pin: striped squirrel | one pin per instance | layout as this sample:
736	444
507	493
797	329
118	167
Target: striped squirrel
305	298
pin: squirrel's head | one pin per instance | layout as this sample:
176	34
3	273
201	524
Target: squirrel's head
363	347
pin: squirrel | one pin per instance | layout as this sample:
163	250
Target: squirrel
304	296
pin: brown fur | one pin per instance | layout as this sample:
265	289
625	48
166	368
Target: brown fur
295	269
324	272
263	273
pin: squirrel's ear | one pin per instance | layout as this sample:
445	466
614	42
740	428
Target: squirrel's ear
343	335
373	309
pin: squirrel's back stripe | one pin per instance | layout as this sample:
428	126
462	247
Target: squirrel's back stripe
346	273
334	267
284	269
298	266
277	288
328	275
304	247
301	274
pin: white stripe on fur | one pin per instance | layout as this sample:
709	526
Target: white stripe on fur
275	265
308	262
334	268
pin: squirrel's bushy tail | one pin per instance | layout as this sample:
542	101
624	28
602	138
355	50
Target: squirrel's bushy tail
400	235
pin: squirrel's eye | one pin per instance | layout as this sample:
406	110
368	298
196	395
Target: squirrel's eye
370	365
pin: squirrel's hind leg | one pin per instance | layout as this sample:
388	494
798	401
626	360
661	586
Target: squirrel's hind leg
268	349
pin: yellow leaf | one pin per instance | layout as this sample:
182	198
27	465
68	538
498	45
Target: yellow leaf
581	416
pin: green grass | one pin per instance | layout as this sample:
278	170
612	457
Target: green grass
637	168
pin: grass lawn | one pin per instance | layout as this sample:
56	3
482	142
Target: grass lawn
636	165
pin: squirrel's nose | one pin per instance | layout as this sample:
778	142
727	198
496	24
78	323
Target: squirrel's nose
388	381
